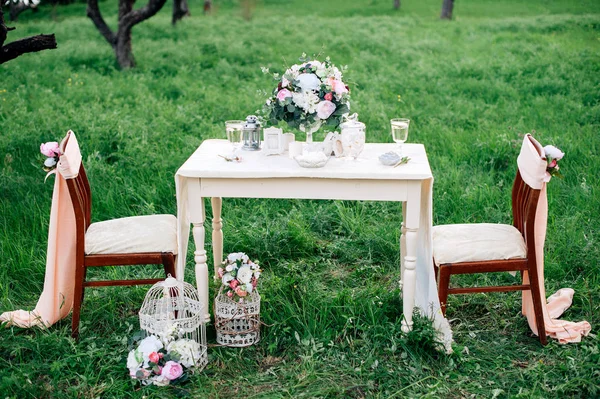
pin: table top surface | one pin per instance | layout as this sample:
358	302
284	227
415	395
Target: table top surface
205	162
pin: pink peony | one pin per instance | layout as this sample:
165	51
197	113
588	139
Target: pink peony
50	149
283	94
229	294
329	96
240	292
153	357
233	283
325	109
337	85
220	272
172	370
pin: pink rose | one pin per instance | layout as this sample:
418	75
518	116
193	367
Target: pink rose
153	357
325	109
50	149
283	94
233	283
338	86
240	292
220	272
229	294
552	163
172	370
329	96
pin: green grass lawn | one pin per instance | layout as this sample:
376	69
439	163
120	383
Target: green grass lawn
471	86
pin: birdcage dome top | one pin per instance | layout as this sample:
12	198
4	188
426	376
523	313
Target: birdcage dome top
171	302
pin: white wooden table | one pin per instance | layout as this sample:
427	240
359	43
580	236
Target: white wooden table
206	175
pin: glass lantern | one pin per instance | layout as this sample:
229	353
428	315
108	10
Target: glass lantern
251	133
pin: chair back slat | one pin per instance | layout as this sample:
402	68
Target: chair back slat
524	206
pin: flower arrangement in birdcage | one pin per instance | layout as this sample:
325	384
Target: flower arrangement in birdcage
239	276
173	338
309	95
237	305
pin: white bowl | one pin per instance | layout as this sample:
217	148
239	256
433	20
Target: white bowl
315	159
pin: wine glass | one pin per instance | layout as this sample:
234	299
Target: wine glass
233	129
400	131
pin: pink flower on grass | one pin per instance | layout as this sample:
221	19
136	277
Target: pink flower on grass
329	96
153	357
50	149
172	370
325	109
283	94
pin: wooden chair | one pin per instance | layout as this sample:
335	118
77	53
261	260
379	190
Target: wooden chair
484	248
139	240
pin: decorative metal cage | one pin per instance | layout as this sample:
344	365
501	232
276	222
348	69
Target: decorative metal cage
172	303
237	323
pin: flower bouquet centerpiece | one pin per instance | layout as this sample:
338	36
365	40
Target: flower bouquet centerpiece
163	359
237	306
309	95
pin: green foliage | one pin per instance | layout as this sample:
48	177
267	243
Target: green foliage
330	300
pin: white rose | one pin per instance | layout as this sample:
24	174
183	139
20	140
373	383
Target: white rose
325	109
299	101
49	162
308	82
244	274
553	152
134	362
249	288
256	275
147	346
227	277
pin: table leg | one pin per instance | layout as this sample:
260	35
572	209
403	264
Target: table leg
402	244
411	219
409	280
200	260
217	233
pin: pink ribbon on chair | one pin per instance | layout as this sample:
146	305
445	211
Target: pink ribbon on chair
56	300
532	165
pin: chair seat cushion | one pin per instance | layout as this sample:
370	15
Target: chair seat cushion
454	243
137	234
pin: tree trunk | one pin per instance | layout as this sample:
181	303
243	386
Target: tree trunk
447	7
396	4
180	10
128	18
19	47
207	6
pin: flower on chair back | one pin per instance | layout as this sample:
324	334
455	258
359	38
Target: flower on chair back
52	151
239	275
553	155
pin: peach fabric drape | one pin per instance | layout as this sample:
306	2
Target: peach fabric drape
56	300
532	165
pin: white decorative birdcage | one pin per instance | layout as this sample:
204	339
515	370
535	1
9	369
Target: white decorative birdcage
237	323
173	305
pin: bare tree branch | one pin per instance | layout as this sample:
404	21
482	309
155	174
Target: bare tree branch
93	12
136	16
28	45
